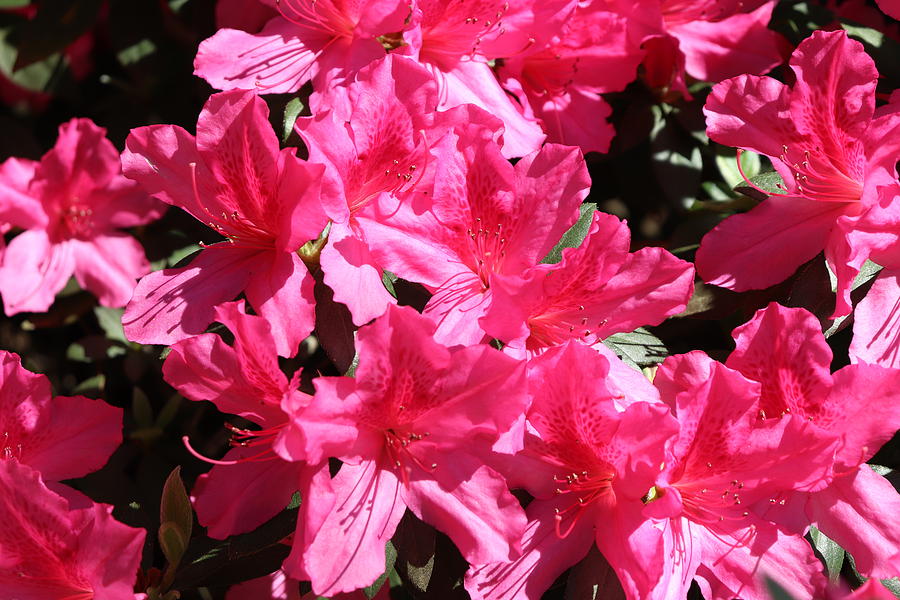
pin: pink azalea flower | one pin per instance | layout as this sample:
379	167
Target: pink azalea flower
413	430
475	228
784	350
50	549
256	478
62	437
834	151
596	290
381	146
593	448
321	40
709	40
71	205
562	82
265	201
455	39
726	466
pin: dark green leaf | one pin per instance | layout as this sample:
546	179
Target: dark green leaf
291	111
172	542
175	507
639	348
240	557
14	3
388	279
390	557
575	235
768	181
415	543
831	553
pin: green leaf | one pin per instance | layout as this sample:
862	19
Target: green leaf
388	279
728	167
575	235
291	111
175	508
38	77
892	585
110	321
640	348
238	558
168	412
4	4
136	52
390	557
832	553
97	382
172	542
768	181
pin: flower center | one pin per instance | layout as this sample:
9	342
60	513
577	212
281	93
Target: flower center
585	488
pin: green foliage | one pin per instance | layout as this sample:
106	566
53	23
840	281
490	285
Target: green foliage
573	237
640	348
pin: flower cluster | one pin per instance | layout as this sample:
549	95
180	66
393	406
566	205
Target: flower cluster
491	405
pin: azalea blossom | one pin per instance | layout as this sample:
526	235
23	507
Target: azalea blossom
263	200
835	152
594	445
381	146
726	467
596	290
50	548
475	228
413	429
455	39
256	479
562	82
709	40
61	437
856	406
321	40
71	205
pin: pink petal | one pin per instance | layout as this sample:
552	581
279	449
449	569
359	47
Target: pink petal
470	503
33	270
63	438
890	7
278	59
578	118
876	323
473	82
857	512
126	204
280	288
738	44
275	586
235	499
173	304
545	556
849	83
348	551
204	367
737	565
765	246
784	350
17	205
50	551
862	409
354	275
82	158
750	112
109	266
